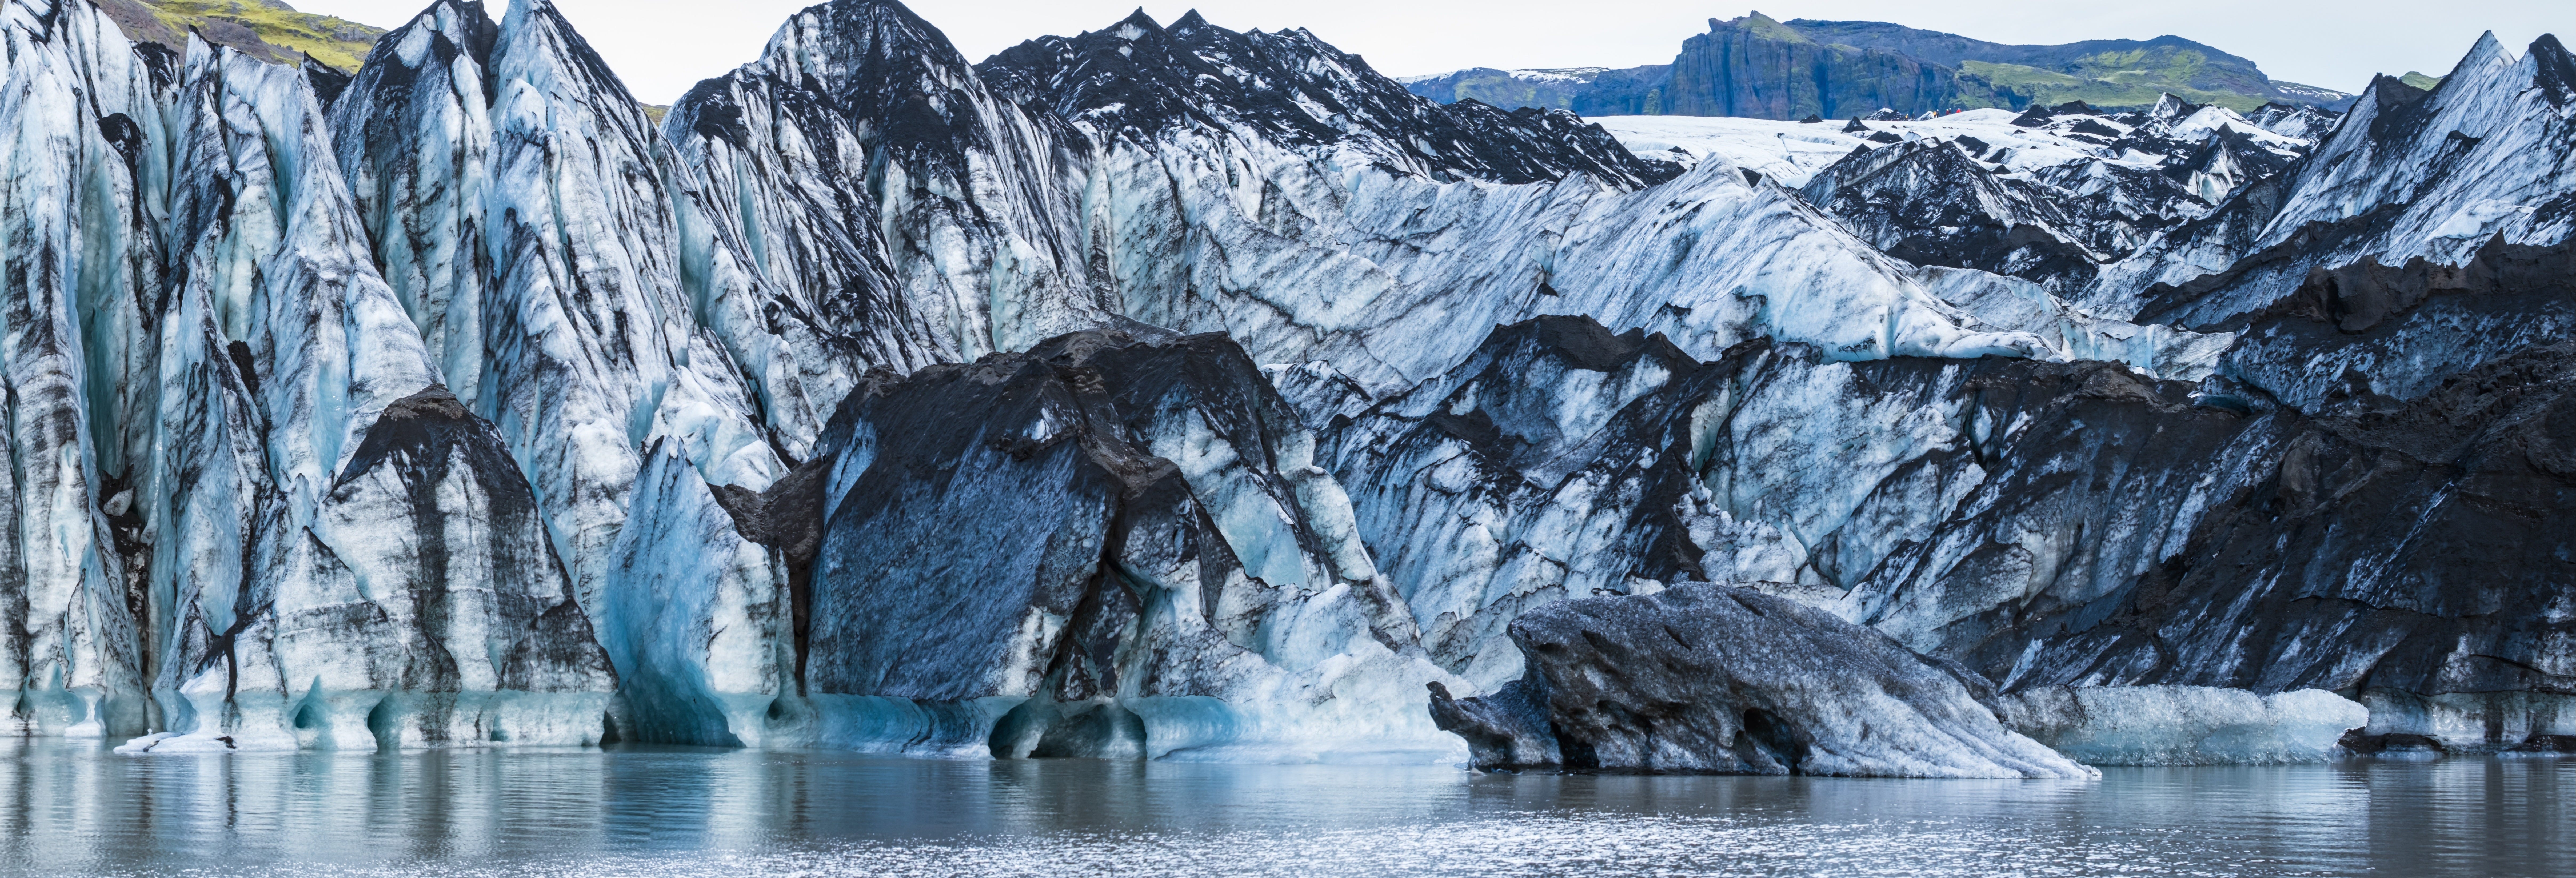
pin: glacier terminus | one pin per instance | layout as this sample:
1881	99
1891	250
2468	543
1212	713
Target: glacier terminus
1171	392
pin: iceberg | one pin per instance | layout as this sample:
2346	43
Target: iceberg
2183	725
1706	678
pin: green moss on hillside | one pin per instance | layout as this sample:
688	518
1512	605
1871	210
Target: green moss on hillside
1768	28
2113	89
2420	80
266	29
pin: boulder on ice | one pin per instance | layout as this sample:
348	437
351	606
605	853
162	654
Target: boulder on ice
1705	678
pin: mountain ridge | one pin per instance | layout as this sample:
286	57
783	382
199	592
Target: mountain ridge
1846	64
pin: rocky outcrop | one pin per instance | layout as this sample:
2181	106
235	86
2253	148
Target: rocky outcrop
1754	66
1761	68
1702	678
1636	91
1572	89
2111	74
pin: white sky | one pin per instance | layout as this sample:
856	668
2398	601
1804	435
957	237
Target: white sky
661	47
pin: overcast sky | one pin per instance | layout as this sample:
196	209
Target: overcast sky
661	47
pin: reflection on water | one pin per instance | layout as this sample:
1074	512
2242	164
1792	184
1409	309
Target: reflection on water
77	810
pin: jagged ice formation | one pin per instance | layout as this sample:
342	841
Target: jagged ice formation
1179	392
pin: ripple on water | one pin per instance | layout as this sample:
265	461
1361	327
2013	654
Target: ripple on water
70	810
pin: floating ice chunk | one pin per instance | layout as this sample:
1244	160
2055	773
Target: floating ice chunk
2183	725
167	744
144	744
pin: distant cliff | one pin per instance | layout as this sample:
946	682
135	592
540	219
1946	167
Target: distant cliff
1760	67
2113	74
1754	66
1590	91
1545	89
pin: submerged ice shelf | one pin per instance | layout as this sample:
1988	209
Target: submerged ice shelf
1178	392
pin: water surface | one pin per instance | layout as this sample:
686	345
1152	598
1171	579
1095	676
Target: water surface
79	810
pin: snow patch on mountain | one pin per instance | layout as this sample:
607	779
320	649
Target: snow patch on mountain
1792	152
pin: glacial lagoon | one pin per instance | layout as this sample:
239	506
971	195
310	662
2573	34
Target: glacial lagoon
81	810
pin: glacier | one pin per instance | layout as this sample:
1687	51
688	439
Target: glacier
1169	391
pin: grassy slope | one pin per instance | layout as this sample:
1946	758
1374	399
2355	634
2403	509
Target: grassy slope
2112	87
265	29
2111	74
1768	28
